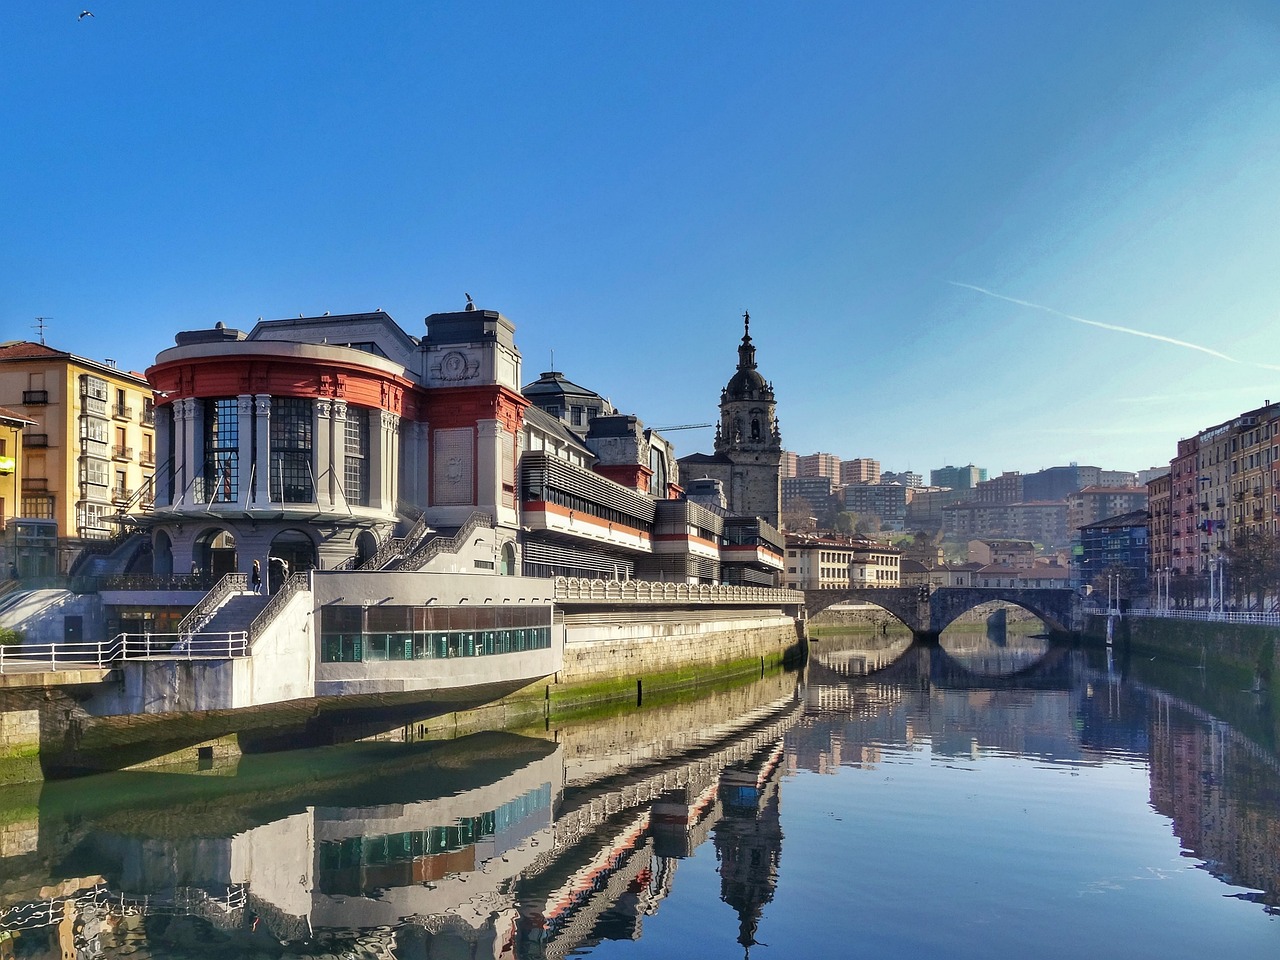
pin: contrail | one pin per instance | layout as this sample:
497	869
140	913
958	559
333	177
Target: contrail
1112	326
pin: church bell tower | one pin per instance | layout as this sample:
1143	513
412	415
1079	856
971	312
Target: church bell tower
749	438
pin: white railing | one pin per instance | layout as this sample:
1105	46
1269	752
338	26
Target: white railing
1211	616
38	657
568	589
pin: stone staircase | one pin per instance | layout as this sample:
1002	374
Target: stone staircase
236	614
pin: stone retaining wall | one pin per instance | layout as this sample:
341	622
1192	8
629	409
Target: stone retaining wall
1246	646
603	648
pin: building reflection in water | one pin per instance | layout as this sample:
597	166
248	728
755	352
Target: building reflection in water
535	847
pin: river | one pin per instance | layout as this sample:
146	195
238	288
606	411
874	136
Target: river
994	797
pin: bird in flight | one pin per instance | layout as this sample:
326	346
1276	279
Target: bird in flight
85	13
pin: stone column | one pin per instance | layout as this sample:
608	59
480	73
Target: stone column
416	457
321	451
262	449
384	431
191	459
338	455
489	439
164	475
244	448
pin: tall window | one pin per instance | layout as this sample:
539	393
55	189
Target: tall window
356	478
221	451
291	438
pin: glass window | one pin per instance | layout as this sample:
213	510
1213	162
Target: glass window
356	472
291	442
221	450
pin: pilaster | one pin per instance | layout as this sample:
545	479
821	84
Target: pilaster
337	462
244	448
321	452
262	449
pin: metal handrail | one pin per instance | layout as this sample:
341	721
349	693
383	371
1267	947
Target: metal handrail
224	645
438	545
1212	616
393	548
230	584
295	584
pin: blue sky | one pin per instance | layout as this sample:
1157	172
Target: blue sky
622	180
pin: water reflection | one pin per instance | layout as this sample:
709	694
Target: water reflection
566	839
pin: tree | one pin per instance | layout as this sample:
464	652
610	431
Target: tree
1253	567
799	518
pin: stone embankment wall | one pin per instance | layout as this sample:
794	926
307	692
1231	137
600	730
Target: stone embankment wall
1244	646
630	655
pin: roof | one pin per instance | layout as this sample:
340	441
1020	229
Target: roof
13	418
26	350
549	424
1135	518
553	383
693	459
15	351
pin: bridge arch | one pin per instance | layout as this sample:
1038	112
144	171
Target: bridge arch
1053	606
927	611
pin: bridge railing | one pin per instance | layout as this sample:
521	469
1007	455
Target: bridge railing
583	589
35	657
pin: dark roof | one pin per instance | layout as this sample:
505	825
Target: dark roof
553	384
694	459
1135	518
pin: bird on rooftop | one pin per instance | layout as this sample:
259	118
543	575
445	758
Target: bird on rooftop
470	305
85	13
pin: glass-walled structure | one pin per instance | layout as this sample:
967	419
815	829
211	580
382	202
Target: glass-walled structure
364	634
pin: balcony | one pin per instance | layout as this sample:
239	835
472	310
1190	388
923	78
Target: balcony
1204	504
34	484
121	411
147	458
1222	502
35	439
32	398
119	452
120	494
149	415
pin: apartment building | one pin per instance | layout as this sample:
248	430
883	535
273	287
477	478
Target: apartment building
89	453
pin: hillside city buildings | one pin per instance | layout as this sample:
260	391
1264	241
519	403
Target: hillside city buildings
314	442
319	442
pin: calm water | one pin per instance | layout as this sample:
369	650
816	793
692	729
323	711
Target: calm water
989	799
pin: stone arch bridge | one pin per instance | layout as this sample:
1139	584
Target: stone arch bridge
928	610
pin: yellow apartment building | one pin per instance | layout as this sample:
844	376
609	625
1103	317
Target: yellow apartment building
88	453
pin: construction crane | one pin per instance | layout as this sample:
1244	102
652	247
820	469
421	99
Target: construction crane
684	426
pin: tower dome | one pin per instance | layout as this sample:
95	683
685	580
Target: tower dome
747	383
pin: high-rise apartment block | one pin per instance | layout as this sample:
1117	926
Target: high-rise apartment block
957	478
860	470
819	465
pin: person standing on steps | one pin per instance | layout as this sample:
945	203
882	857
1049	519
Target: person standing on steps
255	578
